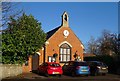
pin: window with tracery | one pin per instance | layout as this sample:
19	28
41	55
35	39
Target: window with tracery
65	53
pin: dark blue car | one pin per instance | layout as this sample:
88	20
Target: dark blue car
76	68
97	68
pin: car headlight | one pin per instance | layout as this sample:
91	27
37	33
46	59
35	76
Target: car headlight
99	67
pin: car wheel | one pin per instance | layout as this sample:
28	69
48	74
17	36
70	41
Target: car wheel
38	72
96	73
46	74
73	74
86	75
60	75
103	74
92	73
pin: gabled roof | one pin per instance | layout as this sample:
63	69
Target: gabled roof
50	33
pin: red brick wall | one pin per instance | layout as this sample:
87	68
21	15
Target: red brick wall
58	38
29	67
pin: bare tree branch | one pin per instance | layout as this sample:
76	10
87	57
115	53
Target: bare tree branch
9	9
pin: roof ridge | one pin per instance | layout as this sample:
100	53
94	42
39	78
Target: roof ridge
51	32
53	29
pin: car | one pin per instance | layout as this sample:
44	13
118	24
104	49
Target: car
76	68
50	68
97	68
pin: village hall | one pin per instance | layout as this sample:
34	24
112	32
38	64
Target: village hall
61	46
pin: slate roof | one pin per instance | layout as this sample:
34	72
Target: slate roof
51	32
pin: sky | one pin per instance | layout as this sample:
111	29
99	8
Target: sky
86	19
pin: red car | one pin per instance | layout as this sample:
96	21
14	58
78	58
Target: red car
50	68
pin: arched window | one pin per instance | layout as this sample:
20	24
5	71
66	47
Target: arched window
65	53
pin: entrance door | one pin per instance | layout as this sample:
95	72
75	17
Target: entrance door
35	62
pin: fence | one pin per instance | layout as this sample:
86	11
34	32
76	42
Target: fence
7	70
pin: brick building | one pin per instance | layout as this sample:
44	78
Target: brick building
61	46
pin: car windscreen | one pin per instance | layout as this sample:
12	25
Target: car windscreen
55	65
80	64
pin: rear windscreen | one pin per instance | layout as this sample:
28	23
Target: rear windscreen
55	65
80	64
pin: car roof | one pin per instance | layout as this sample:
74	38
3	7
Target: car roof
92	61
77	61
95	61
52	62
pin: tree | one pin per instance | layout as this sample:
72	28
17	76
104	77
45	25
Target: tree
92	46
23	37
9	9
108	43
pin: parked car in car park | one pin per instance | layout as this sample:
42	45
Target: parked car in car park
76	68
50	68
97	67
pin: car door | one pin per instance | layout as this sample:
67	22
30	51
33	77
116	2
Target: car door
44	68
65	67
41	68
70	67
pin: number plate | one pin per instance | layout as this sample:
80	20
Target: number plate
55	72
84	70
103	68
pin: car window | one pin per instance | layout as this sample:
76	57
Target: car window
101	64
89	63
71	63
45	64
104	64
42	64
55	65
95	64
66	64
